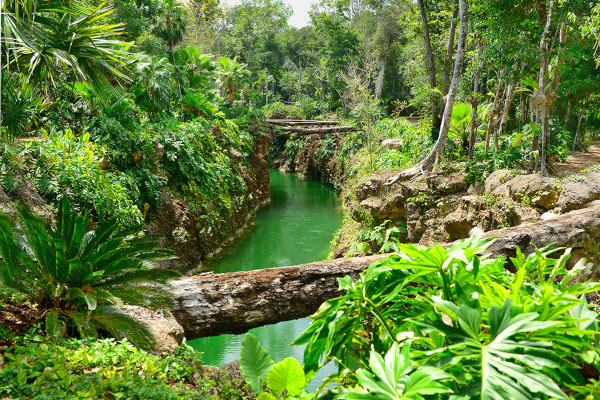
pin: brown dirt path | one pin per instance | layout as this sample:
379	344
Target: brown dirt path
578	161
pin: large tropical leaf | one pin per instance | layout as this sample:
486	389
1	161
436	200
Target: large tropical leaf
396	378
502	359
255	362
287	375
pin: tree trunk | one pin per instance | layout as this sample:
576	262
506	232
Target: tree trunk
449	50
495	110
449	55
299	81
579	120
524	109
431	67
541	98
426	165
379	87
568	115
510	95
557	71
474	104
212	304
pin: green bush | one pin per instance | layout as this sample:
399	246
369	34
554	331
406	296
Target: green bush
437	323
67	167
106	369
415	145
310	108
278	110
293	147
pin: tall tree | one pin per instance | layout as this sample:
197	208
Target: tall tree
431	69
427	164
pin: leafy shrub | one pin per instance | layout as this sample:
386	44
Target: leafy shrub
293	147
415	145
71	168
507	331
325	152
80	276
106	369
22	105
450	323
379	239
196	156
310	108
277	110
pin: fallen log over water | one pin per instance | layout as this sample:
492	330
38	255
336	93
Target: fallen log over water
212	304
316	131
299	122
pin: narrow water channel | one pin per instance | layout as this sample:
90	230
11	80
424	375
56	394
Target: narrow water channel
295	228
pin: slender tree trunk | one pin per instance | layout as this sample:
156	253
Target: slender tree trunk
266	89
450	50
510	95
449	55
379	87
474	104
299	81
579	121
557	71
495	110
431	67
542	98
524	109
426	165
568	115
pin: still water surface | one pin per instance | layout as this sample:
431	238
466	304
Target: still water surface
295	228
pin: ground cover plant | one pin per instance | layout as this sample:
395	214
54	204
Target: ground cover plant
435	323
107	369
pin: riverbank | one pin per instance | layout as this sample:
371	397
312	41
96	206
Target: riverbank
195	184
446	205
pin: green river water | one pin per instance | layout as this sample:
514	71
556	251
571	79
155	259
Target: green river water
295	228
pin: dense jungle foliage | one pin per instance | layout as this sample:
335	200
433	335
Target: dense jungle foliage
435	323
109	107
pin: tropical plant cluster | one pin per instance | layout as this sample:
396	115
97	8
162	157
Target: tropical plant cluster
81	278
455	323
107	369
89	117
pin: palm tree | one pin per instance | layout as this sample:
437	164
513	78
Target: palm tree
232	74
82	277
153	84
45	38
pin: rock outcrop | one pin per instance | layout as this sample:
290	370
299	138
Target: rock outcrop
185	228
167	333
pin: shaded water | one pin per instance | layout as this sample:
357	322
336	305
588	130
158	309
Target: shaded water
295	228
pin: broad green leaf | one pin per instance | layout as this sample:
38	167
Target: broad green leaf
255	362
287	375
